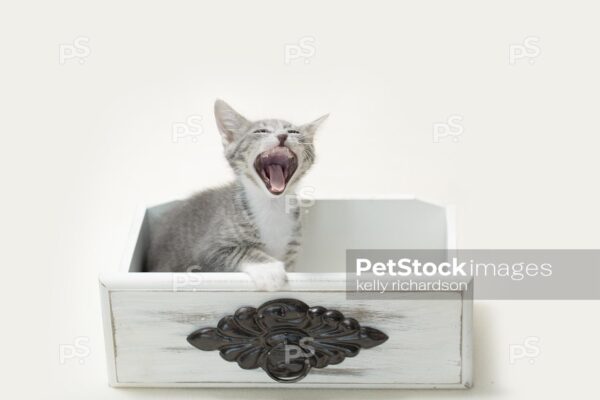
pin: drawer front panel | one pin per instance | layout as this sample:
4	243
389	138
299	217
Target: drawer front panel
150	330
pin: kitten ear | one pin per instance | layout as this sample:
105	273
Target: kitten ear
229	121
312	127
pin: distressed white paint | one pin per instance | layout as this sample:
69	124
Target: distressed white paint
148	316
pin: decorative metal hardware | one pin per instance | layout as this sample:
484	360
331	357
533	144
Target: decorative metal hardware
286	338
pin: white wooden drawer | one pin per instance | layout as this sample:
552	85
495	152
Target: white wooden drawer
148	317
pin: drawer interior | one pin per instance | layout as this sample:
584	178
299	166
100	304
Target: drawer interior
331	226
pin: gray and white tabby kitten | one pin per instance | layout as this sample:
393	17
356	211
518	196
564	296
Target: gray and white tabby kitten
246	225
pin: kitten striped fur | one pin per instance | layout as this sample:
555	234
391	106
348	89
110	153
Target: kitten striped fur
248	225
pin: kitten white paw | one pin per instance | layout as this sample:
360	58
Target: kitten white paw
267	276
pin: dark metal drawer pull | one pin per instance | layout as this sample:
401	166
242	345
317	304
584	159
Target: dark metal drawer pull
286	338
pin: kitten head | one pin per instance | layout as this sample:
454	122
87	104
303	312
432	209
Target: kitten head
272	154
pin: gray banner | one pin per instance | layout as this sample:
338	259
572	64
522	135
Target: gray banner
489	274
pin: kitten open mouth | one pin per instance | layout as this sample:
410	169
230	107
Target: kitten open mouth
276	167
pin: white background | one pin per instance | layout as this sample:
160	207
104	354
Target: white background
84	143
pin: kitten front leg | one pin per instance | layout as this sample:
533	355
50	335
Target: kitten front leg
267	272
291	254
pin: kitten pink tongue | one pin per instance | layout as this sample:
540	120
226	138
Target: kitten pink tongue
276	178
